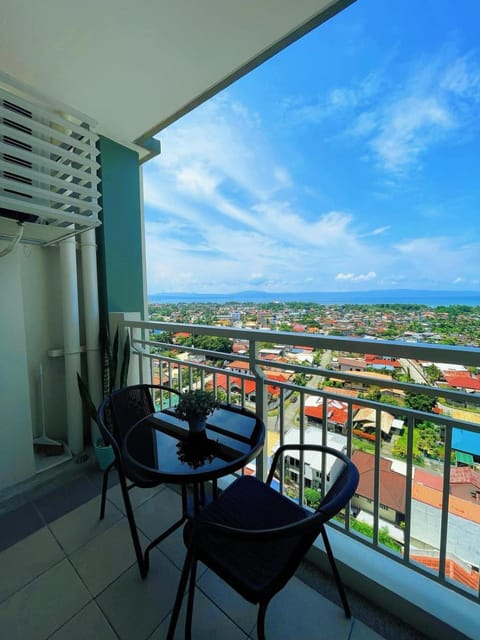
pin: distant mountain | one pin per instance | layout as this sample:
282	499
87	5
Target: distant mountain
385	296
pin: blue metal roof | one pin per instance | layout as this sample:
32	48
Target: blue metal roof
467	441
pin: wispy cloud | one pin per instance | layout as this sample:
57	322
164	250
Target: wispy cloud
224	206
356	277
437	97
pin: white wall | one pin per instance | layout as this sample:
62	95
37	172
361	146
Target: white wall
43	329
30	325
16	449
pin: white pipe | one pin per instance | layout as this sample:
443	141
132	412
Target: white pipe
92	320
71	340
15	241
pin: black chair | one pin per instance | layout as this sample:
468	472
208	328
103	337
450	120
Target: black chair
117	413
254	538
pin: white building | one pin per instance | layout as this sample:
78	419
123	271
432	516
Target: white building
312	460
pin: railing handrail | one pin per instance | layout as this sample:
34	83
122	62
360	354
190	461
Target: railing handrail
469	356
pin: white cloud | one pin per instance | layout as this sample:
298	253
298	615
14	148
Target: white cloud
409	127
222	211
436	97
353	277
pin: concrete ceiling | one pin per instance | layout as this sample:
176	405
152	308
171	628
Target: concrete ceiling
135	66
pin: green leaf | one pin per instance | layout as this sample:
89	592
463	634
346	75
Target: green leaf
87	399
114	364
126	361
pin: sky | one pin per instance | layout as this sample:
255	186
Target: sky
348	162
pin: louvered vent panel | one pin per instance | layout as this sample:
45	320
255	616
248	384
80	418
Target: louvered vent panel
48	171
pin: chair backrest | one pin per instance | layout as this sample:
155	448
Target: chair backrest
125	407
342	488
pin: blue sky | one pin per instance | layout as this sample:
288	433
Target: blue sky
349	161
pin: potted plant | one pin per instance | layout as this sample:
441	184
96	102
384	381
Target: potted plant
110	353
194	406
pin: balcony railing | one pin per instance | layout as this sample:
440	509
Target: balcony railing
417	507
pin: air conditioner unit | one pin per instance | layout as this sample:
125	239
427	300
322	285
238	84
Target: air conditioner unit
49	187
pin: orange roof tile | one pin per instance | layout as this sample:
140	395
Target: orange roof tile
456	506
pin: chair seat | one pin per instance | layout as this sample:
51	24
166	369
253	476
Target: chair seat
252	567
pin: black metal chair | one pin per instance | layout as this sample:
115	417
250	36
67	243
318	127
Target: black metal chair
254	538
117	413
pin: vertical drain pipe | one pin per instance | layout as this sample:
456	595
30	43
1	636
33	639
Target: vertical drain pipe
92	320
71	342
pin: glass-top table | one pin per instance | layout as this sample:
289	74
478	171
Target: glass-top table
162	445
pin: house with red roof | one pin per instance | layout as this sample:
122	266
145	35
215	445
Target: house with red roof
238	366
337	413
463	550
392	488
463	381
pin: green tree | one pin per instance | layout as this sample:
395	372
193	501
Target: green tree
433	373
300	379
374	394
312	498
420	401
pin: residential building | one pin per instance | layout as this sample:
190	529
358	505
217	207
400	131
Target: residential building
313	460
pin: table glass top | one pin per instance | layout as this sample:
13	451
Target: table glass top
162	443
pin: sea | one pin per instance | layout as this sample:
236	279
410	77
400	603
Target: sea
386	296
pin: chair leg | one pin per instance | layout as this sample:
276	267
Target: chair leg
133	527
180	593
336	575
159	539
262	610
104	489
191	596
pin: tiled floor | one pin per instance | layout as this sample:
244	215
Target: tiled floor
66	575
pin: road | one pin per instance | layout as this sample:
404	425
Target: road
290	416
414	369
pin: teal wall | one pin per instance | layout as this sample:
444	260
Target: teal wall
119	237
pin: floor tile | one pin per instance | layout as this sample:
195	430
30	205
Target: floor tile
208	622
42	606
360	631
237	608
135	607
95	475
106	557
87	624
18	524
159	513
137	496
300	611
81	525
173	547
65	498
24	561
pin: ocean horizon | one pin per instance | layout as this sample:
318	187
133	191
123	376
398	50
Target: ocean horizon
429	298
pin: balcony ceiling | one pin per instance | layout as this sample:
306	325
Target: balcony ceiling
135	67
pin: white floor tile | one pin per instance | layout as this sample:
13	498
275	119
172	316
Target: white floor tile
87	624
83	524
24	561
44	605
137	496
135	607
208	622
106	557
360	631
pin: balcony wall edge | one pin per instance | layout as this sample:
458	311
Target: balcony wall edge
425	605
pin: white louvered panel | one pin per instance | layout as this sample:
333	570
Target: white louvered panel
57	116
40	130
55	197
57	217
54	167
48	169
